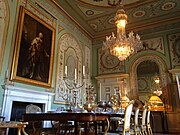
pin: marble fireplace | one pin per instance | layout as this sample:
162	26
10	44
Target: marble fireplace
14	94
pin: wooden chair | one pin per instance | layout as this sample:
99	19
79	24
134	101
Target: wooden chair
38	125
148	125
125	128
135	129
65	127
31	108
143	121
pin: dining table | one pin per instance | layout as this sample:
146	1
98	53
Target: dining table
76	117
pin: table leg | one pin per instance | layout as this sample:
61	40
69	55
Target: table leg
107	128
76	127
3	131
24	132
19	131
95	127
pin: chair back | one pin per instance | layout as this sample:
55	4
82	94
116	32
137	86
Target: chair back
136	118
127	116
149	130
148	117
33	108
144	115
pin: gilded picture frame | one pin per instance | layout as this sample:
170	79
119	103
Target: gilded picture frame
34	50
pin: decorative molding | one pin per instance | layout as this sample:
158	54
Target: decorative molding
88	63
108	63
155	44
174	48
111	82
60	28
39	14
4	22
68	50
162	27
174	72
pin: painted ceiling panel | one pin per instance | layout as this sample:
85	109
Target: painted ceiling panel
98	17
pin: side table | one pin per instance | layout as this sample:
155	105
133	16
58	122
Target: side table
4	125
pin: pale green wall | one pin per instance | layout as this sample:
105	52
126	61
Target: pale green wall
68	27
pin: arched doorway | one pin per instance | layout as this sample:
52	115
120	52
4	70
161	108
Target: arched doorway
162	75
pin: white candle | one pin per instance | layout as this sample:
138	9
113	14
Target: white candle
75	72
83	70
115	91
65	70
100	92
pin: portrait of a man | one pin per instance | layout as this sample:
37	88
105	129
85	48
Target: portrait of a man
35	50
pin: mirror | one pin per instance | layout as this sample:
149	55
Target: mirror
144	71
148	80
149	85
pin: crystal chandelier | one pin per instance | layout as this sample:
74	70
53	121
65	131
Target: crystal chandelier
158	92
157	79
121	46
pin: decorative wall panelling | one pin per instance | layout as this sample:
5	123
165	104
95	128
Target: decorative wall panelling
108	63
174	48
112	84
70	55
4	21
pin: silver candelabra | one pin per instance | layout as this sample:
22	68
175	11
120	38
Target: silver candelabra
71	91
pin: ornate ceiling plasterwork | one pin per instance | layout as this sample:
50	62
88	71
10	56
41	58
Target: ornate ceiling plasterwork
97	17
104	3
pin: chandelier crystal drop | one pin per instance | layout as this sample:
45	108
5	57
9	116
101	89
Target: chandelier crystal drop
122	46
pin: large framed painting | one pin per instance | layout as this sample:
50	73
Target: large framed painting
34	50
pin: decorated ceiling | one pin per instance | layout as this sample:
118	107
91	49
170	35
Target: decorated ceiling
96	17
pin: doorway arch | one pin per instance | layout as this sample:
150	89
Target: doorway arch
163	78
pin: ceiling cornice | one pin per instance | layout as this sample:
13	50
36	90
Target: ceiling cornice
72	19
